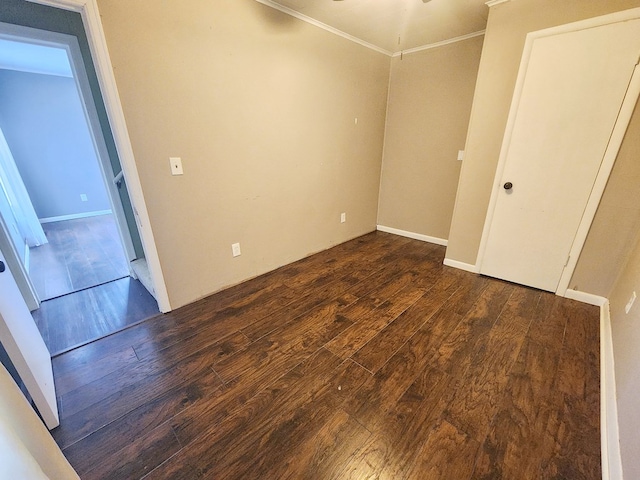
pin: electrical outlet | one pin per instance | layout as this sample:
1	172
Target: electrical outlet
629	304
176	166
235	250
460	155
83	197
343	217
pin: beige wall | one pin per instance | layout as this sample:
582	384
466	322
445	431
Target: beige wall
430	97
27	450
507	27
615	227
626	342
261	107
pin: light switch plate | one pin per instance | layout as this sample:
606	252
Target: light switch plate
176	166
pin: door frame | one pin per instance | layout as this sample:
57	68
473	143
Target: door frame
611	153
88	10
69	43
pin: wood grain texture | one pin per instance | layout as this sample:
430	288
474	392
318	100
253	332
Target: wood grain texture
81	253
368	360
79	318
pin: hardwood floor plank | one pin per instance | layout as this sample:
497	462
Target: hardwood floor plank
318	326
567	442
294	385
146	453
405	427
228	319
447	453
190	361
329	292
325	455
475	402
81	420
515	443
378	350
88	372
580	350
366	462
457	350
106	444
312	383
371	321
264	450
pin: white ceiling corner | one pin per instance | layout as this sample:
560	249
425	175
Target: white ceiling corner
392	26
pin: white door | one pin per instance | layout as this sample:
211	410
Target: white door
24	345
573	89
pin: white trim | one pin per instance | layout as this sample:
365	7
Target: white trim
467	267
610	155
438	44
415	236
600	180
27	257
584	297
321	25
100	53
610	439
340	33
493	3
73	216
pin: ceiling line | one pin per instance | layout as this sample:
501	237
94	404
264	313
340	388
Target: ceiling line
324	26
440	44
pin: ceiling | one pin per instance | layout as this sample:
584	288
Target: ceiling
394	25
32	58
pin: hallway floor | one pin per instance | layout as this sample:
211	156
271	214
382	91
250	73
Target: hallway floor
82	279
81	253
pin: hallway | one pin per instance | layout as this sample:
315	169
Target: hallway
82	278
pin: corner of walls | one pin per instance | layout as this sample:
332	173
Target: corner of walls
610	436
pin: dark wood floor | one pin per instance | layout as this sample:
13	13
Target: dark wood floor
81	253
370	360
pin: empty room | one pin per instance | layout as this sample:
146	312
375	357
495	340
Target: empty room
390	239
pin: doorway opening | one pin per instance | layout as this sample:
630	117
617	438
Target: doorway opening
86	258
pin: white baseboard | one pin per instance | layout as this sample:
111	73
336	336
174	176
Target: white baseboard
415	236
583	297
74	216
467	267
610	439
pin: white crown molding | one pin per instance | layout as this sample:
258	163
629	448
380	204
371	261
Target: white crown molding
323	26
493	3
440	44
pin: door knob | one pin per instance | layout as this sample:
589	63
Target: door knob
2	267
508	186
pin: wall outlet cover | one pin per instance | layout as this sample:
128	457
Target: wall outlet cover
235	250
176	166
343	217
